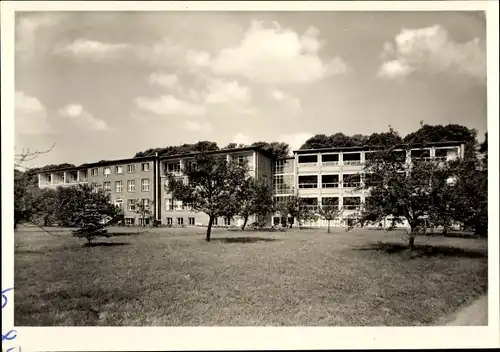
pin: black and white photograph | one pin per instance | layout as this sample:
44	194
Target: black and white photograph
250	168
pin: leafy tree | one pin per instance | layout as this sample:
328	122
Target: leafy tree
329	210
91	209
143	209
209	185
295	208
469	194
384	139
201	146
403	191
278	150
255	198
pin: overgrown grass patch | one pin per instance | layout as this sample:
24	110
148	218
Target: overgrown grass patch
172	277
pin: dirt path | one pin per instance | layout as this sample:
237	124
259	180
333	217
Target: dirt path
475	313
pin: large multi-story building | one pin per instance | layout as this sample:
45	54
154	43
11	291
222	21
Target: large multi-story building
143	179
316	175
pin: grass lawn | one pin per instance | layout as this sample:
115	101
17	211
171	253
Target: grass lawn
172	277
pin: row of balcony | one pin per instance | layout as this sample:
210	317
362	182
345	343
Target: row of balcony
359	162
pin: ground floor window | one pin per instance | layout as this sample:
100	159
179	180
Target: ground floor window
144	222
191	221
227	221
169	221
180	221
129	221
215	222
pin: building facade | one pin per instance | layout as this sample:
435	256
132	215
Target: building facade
144	179
317	175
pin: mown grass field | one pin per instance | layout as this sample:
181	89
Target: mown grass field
172	277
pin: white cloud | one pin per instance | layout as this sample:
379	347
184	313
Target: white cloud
163	79
222	92
27	27
91	49
273	55
197	126
295	140
241	138
291	104
169	105
432	49
30	115
395	68
85	119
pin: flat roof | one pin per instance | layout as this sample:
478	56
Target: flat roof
152	157
368	147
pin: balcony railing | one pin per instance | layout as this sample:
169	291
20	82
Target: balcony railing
352	162
330	185
351	206
314	164
308	185
330	163
351	184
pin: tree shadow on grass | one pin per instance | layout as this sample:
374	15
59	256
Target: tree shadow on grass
106	244
122	234
243	239
423	250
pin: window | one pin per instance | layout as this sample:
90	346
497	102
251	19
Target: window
119	203
169	221
240	159
118	186
131	185
145	167
94	187
191	221
352	158
131	168
143	221
107	186
351	180
131	204
145	184
330	159
169	204
227	221
308	181
174	167
119	169
329	181
145	202
178	205
180	221
215	221
129	221
308	159
351	203
94	172
107	171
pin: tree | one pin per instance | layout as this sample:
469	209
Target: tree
403	191
255	198
329	210
92	209
143	209
278	150
25	185
469	194
295	208
209	185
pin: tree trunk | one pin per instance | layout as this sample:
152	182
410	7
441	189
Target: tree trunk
209	228
328	226
411	241
244	223
445	230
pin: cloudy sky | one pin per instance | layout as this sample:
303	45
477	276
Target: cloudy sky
106	85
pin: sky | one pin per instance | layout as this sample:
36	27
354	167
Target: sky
105	85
